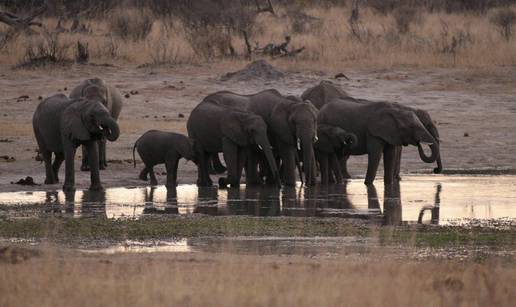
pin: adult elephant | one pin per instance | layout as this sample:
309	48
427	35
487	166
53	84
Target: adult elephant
110	97
326	91
291	123
222	127
61	125
380	128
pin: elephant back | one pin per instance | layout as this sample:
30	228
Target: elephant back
323	93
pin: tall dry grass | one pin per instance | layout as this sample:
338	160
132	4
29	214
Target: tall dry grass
231	280
432	39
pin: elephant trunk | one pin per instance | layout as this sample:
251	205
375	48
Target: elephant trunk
112	131
439	167
434	155
263	142
308	156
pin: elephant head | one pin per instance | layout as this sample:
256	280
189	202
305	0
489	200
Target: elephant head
425	118
94	89
86	120
333	138
245	128
187	150
296	123
398	126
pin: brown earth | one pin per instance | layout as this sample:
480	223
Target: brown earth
475	112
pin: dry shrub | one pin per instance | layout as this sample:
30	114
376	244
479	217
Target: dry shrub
45	50
404	17
131	24
504	20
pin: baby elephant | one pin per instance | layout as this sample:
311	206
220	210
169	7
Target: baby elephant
156	147
328	149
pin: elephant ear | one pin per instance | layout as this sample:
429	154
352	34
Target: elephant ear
325	141
232	128
398	127
186	148
73	125
281	123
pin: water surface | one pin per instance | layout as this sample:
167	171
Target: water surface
418	199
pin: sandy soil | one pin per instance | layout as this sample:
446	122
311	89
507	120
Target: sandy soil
475	112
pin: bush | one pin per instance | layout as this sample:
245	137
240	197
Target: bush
404	17
131	24
504	19
48	50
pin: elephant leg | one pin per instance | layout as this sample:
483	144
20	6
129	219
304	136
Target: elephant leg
93	160
203	175
374	149
49	173
389	163
143	173
251	170
171	163
57	164
153	180
85	165
344	167
398	163
288	164
102	153
323	165
230	151
335	168
69	155
242	161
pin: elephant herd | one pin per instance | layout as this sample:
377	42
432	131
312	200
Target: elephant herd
267	134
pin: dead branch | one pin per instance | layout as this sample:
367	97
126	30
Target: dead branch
22	23
268	8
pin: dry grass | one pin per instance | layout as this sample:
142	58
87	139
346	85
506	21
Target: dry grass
71	279
432	39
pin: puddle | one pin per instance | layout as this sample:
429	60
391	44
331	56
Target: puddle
443	200
314	247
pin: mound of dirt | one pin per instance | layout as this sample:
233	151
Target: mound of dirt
257	70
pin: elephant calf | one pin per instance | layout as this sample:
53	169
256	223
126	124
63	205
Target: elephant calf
156	147
61	125
332	140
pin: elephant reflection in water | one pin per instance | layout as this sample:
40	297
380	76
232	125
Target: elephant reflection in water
93	203
315	201
207	201
392	207
53	205
434	210
170	206
254	201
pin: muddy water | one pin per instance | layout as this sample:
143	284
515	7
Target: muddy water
418	199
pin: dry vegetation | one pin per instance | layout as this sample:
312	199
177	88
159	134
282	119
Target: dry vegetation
62	279
341	34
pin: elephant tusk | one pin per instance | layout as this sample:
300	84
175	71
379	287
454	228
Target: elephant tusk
316	138
298	144
259	146
426	143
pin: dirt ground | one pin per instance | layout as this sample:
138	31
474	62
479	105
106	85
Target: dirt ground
57	277
475	112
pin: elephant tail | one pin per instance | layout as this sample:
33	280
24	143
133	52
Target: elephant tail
134	147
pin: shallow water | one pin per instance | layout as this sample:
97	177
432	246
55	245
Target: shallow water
418	199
